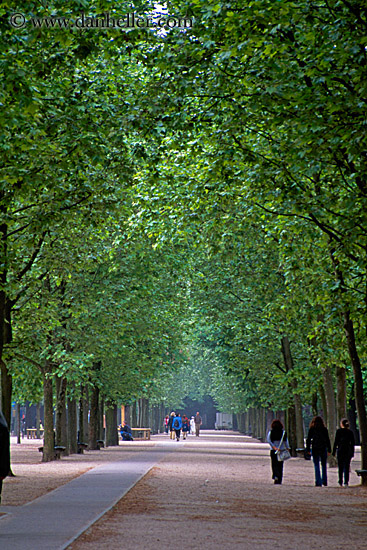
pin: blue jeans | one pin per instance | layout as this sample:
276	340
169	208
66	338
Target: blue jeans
318	456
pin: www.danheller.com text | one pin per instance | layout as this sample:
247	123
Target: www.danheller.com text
130	20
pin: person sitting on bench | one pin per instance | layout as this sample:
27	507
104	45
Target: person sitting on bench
126	432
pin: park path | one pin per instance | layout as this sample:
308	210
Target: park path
215	493
52	521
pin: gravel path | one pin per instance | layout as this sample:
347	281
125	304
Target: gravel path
216	492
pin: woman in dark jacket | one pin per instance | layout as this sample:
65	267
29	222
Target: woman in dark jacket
4	451
274	438
318	440
344	448
185	426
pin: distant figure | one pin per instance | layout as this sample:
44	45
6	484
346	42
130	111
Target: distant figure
4	451
177	425
198	423
185	426
274	438
344	449
318	440
192	425
166	419
170	427
126	432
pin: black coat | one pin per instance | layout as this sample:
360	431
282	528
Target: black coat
318	439
4	447
344	443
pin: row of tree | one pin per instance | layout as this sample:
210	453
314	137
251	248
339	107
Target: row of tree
188	206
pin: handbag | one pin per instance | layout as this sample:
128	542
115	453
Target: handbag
307	455
283	454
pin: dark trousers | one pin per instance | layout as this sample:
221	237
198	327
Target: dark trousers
317	456
343	467
178	433
276	468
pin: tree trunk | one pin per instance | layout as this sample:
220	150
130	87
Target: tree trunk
17	427
240	422
101	429
61	420
94	418
5	320
298	437
357	370
323	404
134	420
314	406
111	426
38	419
330	401
49	435
83	415
352	417
292	430
6	391
72	426
358	386
128	415
144	412
341	394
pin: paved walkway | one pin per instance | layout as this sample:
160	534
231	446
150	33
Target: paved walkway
53	521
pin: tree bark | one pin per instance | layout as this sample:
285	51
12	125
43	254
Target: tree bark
352	417
112	439
101	430
330	400
314	406
341	393
358	387
49	435
17	426
83	415
72	426
128	414
134	420
357	368
94	419
61	419
298	441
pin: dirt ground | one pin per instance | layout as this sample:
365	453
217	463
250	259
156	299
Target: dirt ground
214	492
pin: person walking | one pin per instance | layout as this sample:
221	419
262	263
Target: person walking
177	425
170	427
198	423
344	449
4	451
185	426
192	425
166	420
319	442
278	441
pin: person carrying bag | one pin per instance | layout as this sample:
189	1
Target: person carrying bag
279	450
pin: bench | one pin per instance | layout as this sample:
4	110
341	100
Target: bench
145	433
82	447
363	475
100	444
58	449
32	433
